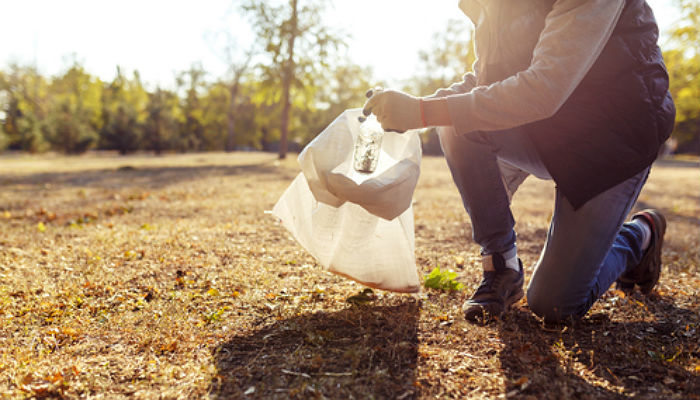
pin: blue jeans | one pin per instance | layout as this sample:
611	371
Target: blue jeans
586	249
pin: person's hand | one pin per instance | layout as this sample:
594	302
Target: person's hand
396	111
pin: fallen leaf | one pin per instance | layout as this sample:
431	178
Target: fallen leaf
619	293
69	332
56	378
521	381
169	346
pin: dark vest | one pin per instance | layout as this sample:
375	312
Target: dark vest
614	123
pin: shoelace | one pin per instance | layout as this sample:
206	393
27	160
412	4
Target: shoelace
488	282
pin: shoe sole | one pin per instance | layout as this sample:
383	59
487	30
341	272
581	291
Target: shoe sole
483	316
514	298
659	222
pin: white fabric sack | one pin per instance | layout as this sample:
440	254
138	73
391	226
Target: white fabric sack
356	225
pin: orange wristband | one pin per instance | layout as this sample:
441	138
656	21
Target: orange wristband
422	114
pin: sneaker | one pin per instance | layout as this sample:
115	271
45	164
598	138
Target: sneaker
499	289
646	273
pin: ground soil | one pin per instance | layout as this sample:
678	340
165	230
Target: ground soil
164	277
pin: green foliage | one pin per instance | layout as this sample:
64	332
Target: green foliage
451	56
122	133
124	106
215	316
344	86
164	117
361	298
66	133
22	97
298	47
74	111
683	62
293	79
4	140
442	280
191	82
295	83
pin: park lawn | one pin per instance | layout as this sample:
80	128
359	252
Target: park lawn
164	277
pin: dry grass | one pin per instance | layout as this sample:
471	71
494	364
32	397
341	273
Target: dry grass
163	278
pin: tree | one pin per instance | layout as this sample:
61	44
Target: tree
74	110
451	56
683	62
239	62
4	97
24	107
192	130
164	117
237	71
216	108
344	87
124	105
297	44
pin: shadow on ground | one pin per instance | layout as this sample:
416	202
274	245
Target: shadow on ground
145	177
670	162
642	358
359	352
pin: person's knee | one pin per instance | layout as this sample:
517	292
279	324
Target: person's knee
552	306
452	142
543	304
447	136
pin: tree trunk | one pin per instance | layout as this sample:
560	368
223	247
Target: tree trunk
230	140
157	140
287	82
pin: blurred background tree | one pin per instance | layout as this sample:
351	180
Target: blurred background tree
280	90
239	65
191	84
683	62
449	58
298	46
160	132
343	86
444	63
23	97
74	115
124	109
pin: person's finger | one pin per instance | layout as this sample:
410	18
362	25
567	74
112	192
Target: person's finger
372	91
369	104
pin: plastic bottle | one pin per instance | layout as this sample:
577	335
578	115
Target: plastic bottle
368	145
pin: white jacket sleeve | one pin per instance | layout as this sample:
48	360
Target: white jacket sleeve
467	84
575	33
